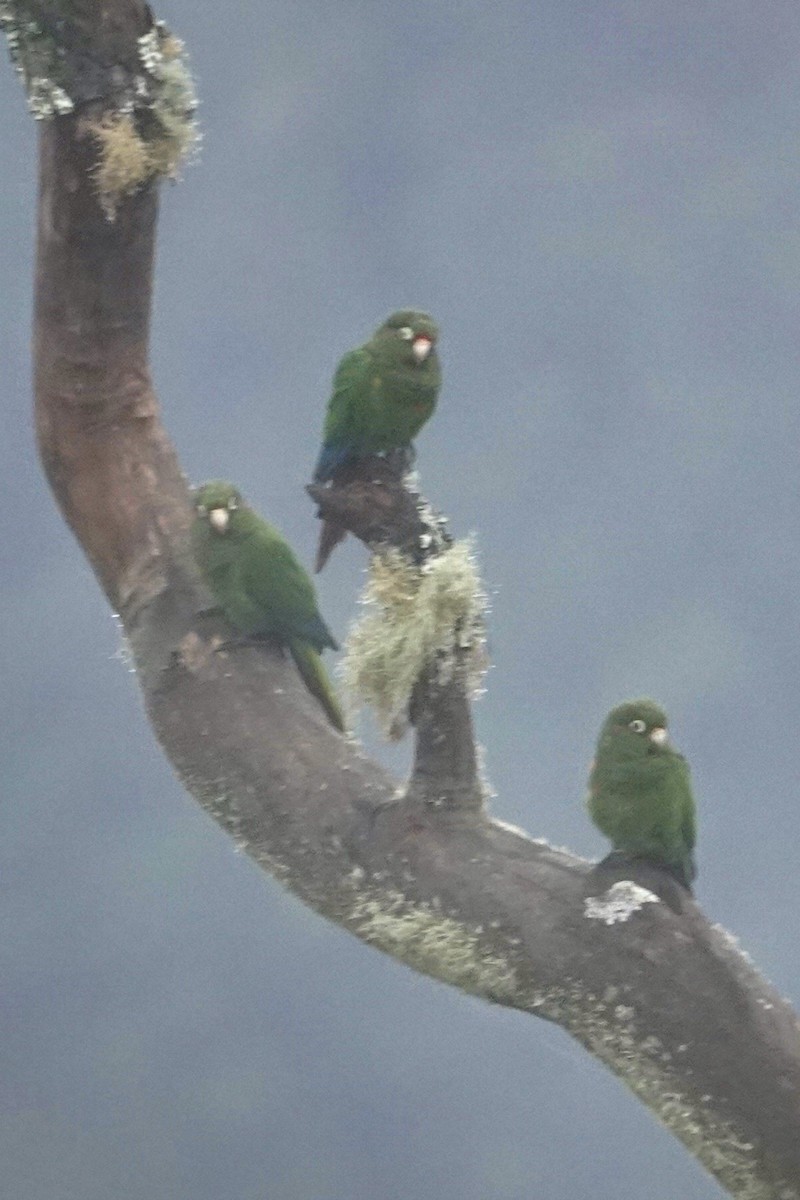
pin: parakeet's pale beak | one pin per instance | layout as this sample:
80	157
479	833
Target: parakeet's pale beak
421	347
658	735
219	518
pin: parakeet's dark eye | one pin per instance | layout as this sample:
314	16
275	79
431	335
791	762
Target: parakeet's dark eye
406	333
637	726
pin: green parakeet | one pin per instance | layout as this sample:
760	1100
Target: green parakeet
259	584
383	393
640	793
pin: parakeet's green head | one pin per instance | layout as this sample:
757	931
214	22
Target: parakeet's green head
407	337
635	729
216	502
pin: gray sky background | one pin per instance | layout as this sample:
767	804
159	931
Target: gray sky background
599	203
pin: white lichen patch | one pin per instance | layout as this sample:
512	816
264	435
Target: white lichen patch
732	944
422	936
34	55
488	791
124	652
415	617
47	99
171	99
517	831
151	134
150	53
619	903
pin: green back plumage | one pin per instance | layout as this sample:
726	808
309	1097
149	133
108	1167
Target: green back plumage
258	583
640	792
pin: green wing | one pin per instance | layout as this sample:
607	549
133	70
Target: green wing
349	398
688	821
278	587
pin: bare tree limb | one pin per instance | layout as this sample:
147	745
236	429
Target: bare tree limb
649	987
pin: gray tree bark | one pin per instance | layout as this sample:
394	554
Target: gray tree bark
624	962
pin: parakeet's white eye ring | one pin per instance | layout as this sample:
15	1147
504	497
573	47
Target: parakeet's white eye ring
201	510
637	726
232	505
406	333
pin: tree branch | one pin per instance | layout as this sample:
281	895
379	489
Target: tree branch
650	988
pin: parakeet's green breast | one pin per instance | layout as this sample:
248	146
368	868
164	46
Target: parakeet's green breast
640	793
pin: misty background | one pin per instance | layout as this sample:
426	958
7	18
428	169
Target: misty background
599	203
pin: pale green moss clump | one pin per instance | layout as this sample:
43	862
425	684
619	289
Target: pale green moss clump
123	164
416	617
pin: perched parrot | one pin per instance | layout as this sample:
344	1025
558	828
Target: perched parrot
383	393
640	793
259	584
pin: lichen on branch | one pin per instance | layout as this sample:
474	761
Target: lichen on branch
154	131
416	617
141	113
37	60
422	873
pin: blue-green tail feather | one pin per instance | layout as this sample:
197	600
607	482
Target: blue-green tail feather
332	457
315	677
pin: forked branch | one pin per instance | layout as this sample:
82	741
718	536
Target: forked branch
650	988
